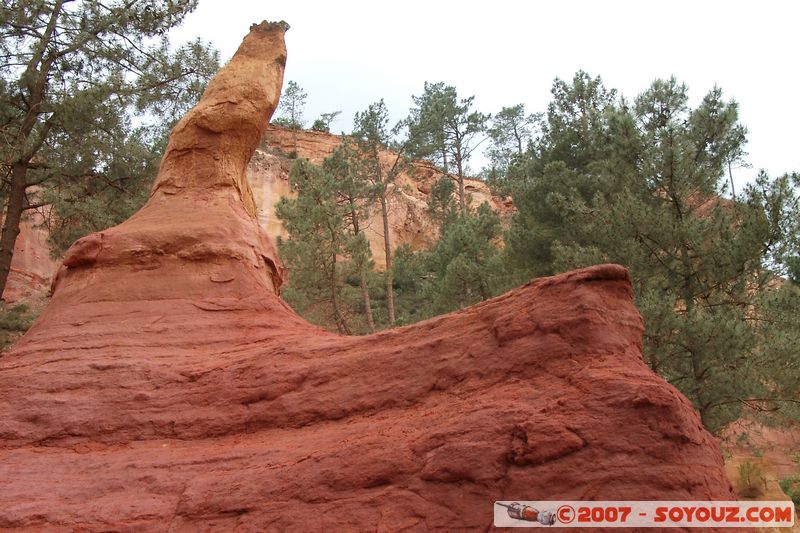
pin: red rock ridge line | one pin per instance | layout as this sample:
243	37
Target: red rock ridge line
212	415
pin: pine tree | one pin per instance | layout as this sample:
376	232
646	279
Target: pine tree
356	195
510	132
575	121
441	207
645	186
465	262
74	75
317	245
323	123
445	128
557	167
372	136
463	267
291	109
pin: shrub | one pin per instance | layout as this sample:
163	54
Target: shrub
791	487
16	319
751	479
13	322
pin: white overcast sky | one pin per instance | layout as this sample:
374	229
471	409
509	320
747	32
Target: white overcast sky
347	54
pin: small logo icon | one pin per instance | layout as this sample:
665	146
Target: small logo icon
529	514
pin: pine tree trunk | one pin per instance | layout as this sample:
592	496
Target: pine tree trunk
367	303
16	205
461	195
698	369
698	372
363	274
341	324
388	249
36	82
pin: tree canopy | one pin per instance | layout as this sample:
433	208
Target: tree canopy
645	185
89	90
446	128
291	107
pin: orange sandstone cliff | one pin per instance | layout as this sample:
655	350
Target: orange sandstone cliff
167	386
409	221
32	268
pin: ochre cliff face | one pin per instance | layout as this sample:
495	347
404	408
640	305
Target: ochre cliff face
268	176
31	267
167	387
409	222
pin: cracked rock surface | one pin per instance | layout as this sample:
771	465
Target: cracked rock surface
168	387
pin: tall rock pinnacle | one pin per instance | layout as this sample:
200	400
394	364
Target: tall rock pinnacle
197	234
210	147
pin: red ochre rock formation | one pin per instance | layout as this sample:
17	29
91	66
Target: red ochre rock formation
167	386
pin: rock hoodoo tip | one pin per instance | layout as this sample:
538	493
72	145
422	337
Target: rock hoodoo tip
267	25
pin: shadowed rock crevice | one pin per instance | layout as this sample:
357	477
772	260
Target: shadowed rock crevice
167	386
